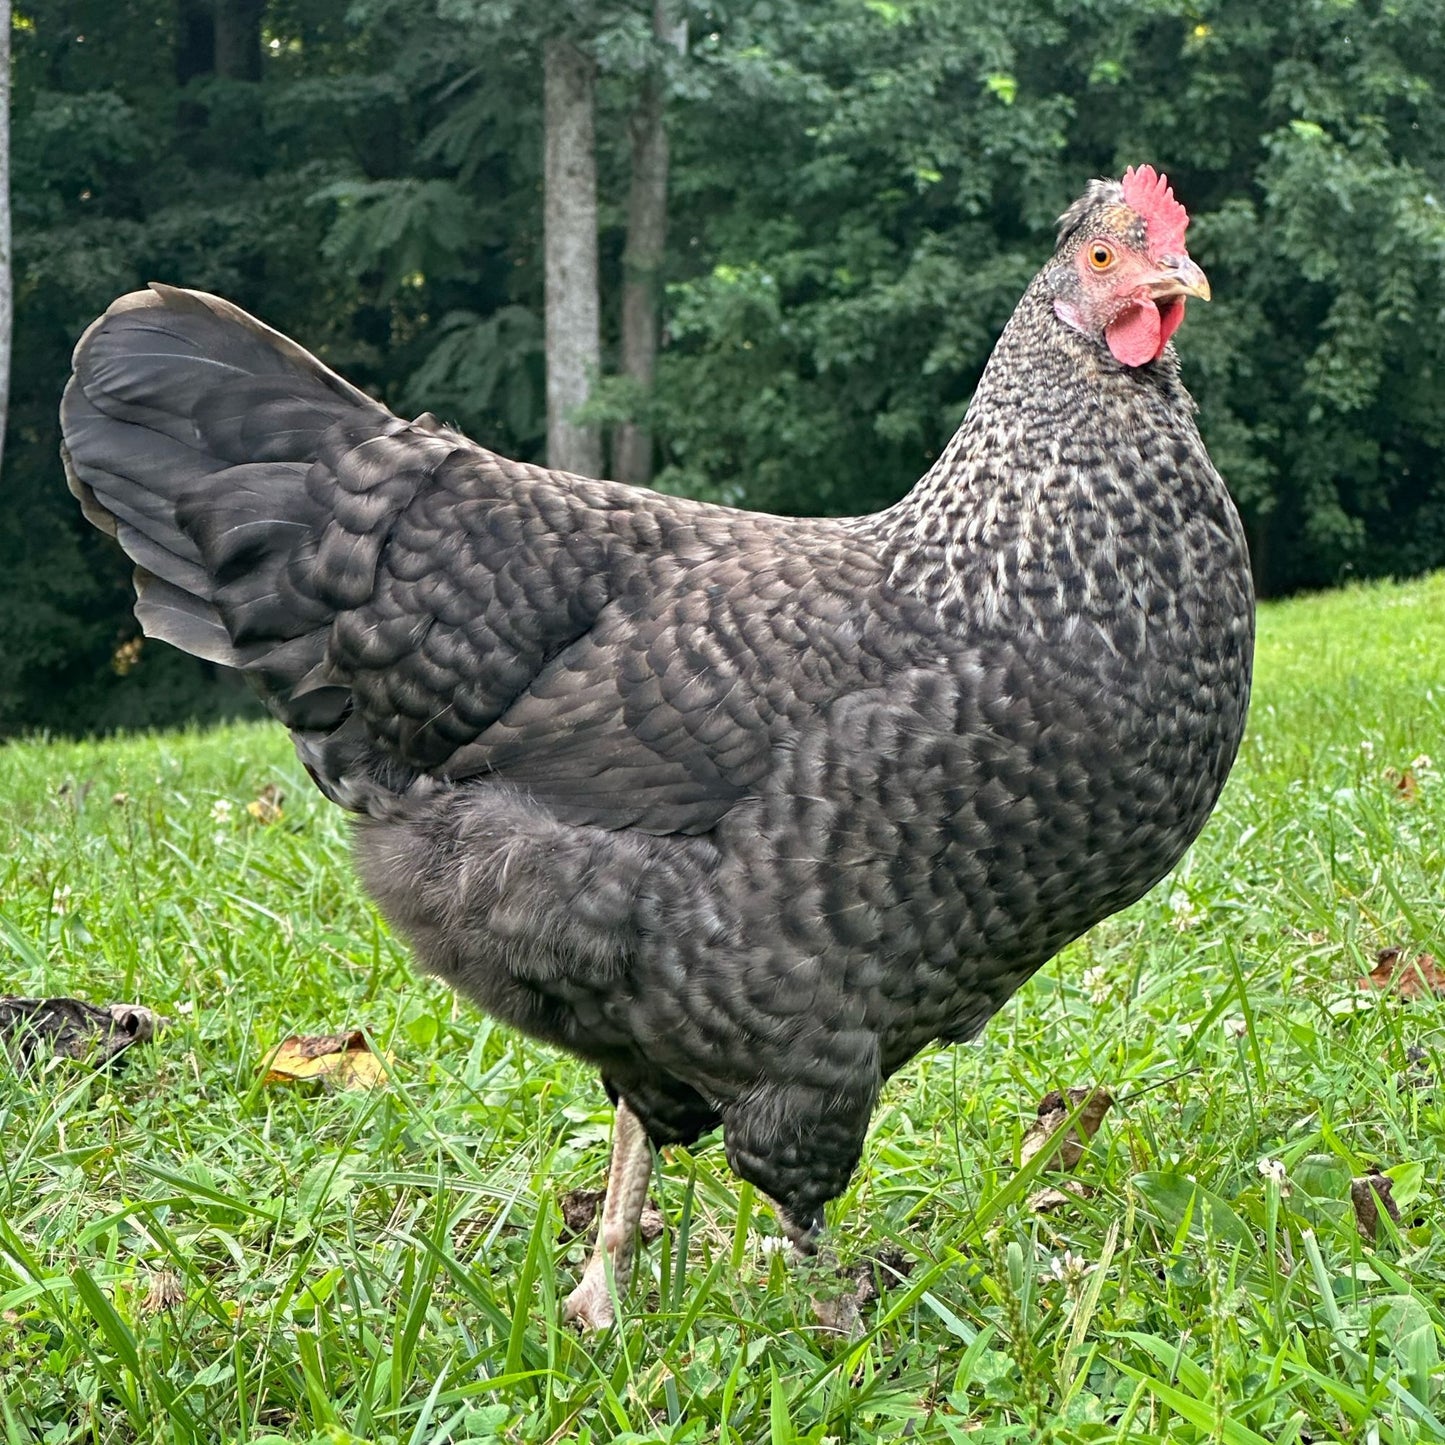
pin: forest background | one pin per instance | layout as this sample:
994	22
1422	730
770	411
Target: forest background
811	219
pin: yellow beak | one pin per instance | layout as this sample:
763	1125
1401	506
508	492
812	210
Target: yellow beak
1178	276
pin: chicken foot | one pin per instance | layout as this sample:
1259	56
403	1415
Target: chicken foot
590	1305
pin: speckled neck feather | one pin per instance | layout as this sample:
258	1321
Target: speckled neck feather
1073	482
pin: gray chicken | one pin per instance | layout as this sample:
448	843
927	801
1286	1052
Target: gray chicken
744	810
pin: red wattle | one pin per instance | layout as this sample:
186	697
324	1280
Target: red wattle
1136	335
1170	315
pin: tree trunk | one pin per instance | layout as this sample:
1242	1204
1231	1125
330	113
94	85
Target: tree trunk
642	256
195	56
574	344
195	39
7	269
238	39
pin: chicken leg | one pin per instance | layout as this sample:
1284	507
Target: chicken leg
589	1306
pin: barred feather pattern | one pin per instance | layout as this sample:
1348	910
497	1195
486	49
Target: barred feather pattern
745	810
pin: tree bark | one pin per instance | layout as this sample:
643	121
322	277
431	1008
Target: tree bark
195	56
195	39
642	255
7	268
573	326
238	39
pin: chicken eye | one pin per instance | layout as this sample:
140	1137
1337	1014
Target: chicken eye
1101	256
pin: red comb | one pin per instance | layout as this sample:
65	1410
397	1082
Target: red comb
1149	194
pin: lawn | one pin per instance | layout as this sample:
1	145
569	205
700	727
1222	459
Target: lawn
188	1252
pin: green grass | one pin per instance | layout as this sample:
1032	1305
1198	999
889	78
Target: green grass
388	1266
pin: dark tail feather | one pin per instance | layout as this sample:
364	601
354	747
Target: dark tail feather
192	435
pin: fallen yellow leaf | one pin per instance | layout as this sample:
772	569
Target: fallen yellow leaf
340	1061
266	806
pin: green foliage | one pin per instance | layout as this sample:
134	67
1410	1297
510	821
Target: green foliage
859	193
401	229
485	370
188	1254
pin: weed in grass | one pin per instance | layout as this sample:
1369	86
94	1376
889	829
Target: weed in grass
189	1254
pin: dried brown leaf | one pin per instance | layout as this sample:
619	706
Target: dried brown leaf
1367	1194
1404	782
651	1225
34	1028
579	1211
840	1316
872	1274
1054	1109
134	1019
580	1208
266	806
341	1061
843	1314
1419	978
1043	1201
